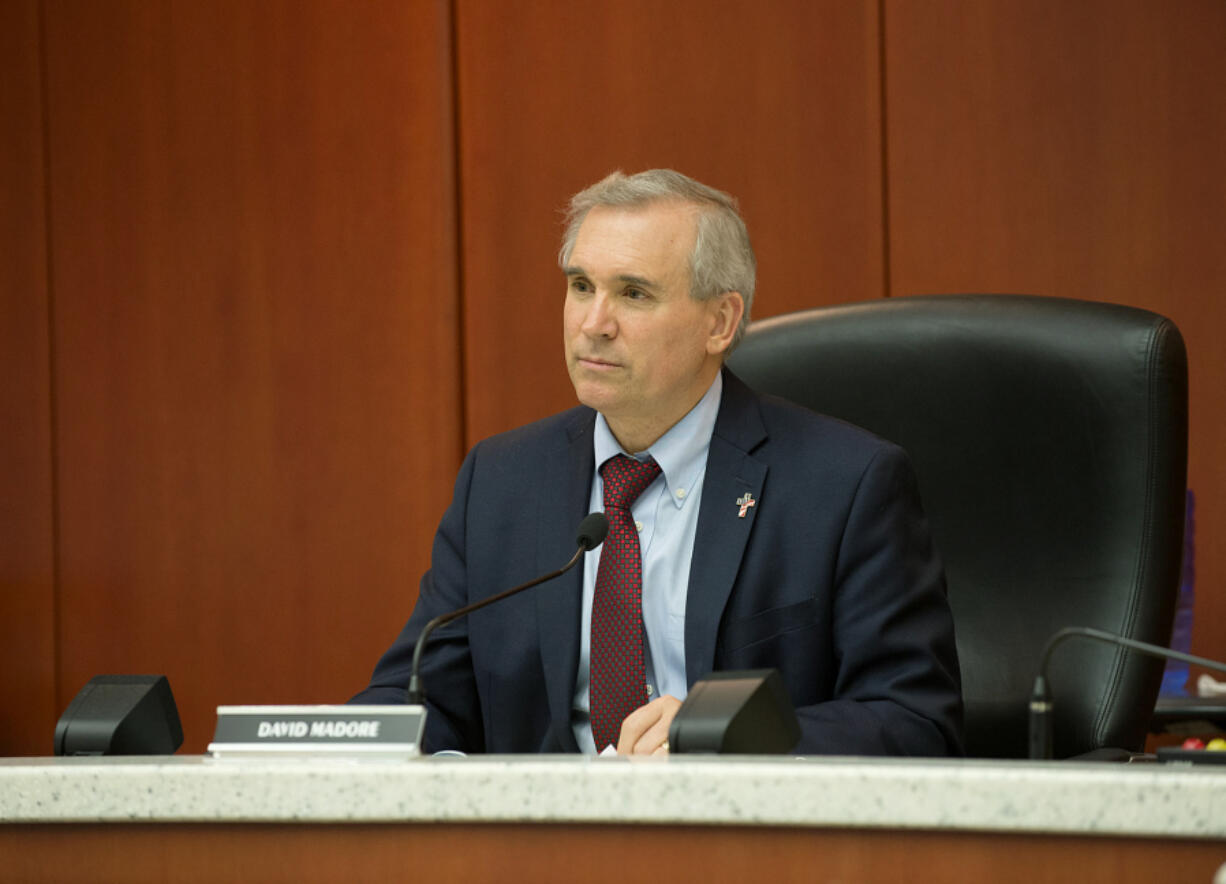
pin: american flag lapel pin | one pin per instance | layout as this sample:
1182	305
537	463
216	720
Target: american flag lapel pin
745	501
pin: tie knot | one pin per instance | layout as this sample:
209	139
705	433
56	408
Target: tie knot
625	479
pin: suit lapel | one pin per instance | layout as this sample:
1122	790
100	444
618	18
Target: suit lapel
722	533
563	502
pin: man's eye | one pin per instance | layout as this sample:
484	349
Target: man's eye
580	285
636	294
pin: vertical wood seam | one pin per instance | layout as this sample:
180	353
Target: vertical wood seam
883	111
460	294
52	378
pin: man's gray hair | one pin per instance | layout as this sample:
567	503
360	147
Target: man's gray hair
722	259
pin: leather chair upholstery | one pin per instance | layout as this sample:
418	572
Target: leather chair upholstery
1049	437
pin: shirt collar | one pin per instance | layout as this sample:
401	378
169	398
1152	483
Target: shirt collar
681	452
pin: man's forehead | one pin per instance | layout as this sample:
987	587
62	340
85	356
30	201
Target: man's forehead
659	232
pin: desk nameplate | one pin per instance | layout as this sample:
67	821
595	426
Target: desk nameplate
360	731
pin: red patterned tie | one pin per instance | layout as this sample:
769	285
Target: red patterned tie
618	680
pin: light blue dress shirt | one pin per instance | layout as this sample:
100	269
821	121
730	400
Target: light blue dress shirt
666	515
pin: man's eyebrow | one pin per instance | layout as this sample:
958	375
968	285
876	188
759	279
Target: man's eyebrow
627	278
637	280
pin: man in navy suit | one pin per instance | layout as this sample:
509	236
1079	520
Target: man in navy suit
766	536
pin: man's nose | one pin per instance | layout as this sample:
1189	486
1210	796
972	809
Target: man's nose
599	321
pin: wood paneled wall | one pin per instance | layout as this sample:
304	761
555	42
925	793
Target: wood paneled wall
1078	150
256	384
272	266
777	103
28	707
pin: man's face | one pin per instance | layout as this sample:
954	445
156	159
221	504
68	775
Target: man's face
639	349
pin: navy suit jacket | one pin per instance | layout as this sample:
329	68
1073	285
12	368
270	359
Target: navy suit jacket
831	578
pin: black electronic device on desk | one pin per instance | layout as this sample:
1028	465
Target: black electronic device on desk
1179	755
1189	715
121	715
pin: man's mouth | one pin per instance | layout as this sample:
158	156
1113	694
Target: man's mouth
596	362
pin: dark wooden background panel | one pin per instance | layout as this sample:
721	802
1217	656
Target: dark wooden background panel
27	585
777	103
1074	149
256	342
208	852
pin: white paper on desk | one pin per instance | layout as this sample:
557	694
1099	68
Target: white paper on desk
1208	686
609	752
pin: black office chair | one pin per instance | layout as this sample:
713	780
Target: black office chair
1050	441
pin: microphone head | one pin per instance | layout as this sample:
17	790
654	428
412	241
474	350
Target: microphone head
592	530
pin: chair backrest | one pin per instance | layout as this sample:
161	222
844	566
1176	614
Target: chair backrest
1049	437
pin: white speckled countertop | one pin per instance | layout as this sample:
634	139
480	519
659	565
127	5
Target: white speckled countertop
1110	799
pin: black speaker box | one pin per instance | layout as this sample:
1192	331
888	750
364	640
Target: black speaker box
121	715
744	712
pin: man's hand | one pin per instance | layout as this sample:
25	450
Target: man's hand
645	730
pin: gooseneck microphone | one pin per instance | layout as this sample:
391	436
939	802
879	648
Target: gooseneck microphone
1041	708
592	531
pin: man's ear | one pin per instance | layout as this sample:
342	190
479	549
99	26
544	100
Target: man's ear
726	311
